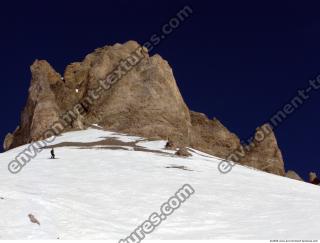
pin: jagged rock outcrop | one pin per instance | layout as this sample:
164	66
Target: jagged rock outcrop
211	136
145	102
313	178
41	110
8	140
122	88
293	175
171	145
263	152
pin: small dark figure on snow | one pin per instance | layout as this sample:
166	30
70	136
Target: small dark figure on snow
52	154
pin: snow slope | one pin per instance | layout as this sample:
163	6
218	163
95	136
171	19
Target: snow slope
105	192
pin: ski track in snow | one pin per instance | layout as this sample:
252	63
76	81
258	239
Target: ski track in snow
103	194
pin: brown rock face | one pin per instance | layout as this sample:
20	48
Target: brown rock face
145	101
211	136
41	110
264	153
313	178
8	140
293	175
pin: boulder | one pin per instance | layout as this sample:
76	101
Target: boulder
183	152
41	110
171	145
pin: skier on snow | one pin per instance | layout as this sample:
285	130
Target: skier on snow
52	153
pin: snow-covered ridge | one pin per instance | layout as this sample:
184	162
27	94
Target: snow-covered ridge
104	184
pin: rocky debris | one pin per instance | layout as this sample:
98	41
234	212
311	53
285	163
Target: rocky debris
313	178
33	219
146	101
183	152
293	175
170	145
263	152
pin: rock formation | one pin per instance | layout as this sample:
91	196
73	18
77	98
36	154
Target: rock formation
41	110
33	219
122	88
293	175
171	145
183	152
263	152
313	178
211	136
8	141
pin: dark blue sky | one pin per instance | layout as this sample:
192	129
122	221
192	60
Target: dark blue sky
239	61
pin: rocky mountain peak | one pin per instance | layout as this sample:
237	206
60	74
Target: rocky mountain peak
122	88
